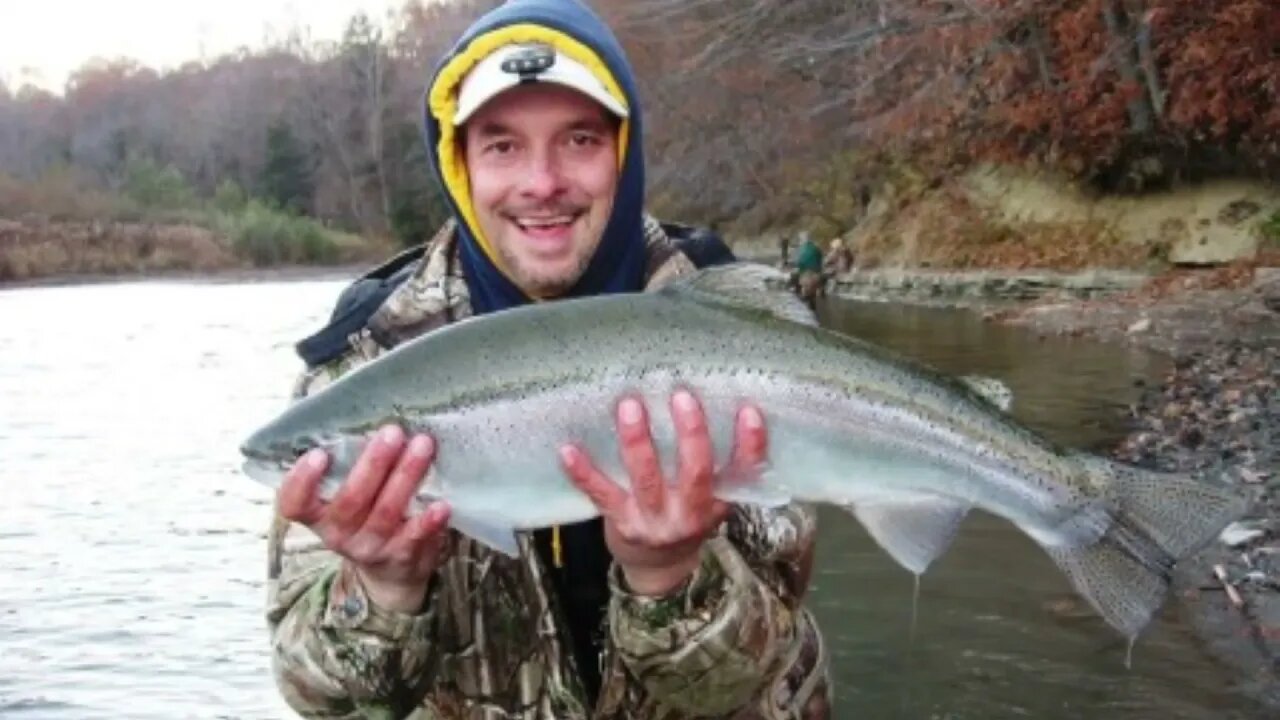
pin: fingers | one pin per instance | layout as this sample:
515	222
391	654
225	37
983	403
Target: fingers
388	513
750	439
352	503
696	454
640	457
603	492
420	538
299	495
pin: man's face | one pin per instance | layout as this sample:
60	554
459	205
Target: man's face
543	164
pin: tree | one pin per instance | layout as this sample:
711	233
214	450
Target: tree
286	175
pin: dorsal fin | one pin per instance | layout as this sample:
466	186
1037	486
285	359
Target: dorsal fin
747	285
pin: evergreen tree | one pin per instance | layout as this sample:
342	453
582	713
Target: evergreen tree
286	175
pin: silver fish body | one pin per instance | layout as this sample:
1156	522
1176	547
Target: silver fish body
906	450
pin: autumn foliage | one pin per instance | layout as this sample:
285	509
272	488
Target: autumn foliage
760	113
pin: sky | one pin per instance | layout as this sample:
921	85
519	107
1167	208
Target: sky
43	41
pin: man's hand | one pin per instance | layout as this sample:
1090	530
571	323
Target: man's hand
365	522
656	531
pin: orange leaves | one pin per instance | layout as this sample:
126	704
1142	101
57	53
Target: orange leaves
1222	60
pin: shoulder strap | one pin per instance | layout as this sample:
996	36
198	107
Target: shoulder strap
355	306
703	247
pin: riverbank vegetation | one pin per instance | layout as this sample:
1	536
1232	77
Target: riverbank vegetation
63	225
763	118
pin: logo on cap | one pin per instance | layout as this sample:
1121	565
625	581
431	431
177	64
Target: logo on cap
530	61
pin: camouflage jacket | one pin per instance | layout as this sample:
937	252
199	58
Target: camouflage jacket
490	643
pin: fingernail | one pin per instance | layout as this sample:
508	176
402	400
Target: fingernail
684	401
752	418
420	446
566	454
629	411
315	458
390	435
440	512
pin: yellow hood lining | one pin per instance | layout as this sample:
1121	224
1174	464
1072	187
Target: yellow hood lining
442	103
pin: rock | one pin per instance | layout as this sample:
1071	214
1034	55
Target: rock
1238	534
1252	477
1191	437
1140	326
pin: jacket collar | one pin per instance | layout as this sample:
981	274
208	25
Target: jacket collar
436	293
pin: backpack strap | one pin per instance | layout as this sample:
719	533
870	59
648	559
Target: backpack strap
356	304
703	247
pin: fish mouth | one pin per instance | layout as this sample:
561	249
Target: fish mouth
267	472
268	465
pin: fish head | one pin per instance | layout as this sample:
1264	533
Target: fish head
273	449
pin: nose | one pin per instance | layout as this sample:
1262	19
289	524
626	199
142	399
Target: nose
543	179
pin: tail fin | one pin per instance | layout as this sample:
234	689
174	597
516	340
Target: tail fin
1157	520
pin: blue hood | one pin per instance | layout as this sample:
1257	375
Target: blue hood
619	261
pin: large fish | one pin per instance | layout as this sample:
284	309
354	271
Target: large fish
906	450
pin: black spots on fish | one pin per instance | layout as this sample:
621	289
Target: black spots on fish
400	415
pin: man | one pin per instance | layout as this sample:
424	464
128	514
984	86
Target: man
807	279
670	606
839	260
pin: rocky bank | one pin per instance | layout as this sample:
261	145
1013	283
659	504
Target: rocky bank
1216	414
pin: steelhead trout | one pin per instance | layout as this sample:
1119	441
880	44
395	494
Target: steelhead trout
907	451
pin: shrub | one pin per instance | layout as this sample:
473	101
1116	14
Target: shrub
265	236
152	186
1271	230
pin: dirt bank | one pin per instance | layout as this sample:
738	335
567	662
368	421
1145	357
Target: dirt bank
37	250
1177	313
33	249
999	218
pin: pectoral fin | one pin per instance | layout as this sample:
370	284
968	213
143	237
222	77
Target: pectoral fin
914	529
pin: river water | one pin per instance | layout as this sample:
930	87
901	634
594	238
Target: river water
132	551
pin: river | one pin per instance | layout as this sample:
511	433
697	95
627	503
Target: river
132	551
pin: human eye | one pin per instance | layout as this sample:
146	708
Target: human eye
499	147
584	139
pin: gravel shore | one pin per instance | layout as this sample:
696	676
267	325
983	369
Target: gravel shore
1215	414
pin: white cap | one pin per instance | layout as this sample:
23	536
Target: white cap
511	65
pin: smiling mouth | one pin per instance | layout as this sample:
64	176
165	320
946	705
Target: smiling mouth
550	223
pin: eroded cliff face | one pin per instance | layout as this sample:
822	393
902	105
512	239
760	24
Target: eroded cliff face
1000	218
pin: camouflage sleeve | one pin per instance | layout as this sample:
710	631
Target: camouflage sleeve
736	634
334	653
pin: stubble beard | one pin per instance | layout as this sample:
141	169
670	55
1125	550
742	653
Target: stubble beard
548	284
